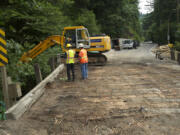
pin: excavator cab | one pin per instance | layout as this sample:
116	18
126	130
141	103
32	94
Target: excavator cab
82	36
76	35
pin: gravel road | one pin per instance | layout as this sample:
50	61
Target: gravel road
142	54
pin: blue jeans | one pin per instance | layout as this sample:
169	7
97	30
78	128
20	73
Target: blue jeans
84	70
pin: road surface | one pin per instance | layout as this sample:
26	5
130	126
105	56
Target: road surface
134	94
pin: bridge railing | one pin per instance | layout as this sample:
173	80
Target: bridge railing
33	95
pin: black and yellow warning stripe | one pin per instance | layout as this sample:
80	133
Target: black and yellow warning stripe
3	50
2	32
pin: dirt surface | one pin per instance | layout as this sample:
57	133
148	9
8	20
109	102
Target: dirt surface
134	94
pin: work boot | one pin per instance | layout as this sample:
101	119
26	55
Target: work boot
68	80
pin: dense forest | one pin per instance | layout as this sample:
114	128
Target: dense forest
163	24
27	22
31	21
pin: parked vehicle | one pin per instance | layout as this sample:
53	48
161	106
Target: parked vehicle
117	43
128	43
135	44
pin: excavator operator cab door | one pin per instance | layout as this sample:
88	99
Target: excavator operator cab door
82	36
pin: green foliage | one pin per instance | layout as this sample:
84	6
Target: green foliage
177	43
178	33
135	35
43	59
24	72
32	20
117	18
157	23
18	71
87	19
177	46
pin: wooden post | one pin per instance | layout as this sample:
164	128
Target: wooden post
58	61
172	55
52	63
37	73
178	59
5	86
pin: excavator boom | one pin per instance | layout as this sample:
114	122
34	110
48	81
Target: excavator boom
41	47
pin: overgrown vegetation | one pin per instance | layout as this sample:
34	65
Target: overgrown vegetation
163	22
27	22
177	43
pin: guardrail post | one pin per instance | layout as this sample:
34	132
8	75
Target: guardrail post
37	73
52	63
5	86
172	55
58	60
178	58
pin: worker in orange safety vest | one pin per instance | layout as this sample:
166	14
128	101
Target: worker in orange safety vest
83	61
70	53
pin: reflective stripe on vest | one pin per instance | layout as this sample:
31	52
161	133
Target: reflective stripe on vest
84	58
70	56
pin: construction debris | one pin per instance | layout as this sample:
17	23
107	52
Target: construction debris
162	52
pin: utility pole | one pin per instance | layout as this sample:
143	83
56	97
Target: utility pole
168	35
5	86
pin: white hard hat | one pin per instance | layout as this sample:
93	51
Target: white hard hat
81	45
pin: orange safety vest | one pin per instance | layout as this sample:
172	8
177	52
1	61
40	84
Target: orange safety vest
83	56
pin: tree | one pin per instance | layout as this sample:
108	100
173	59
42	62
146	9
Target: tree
163	21
118	18
31	21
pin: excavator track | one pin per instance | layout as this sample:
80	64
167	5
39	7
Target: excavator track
97	59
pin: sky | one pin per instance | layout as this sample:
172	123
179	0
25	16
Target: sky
143	8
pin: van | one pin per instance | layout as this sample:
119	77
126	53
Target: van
118	43
127	43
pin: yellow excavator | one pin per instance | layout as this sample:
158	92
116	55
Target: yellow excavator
74	35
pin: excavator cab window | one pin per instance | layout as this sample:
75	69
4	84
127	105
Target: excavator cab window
77	36
82	36
70	36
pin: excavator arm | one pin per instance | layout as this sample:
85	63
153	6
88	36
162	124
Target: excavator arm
41	47
67	35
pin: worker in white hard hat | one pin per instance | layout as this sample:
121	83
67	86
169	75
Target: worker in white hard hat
83	61
70	62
